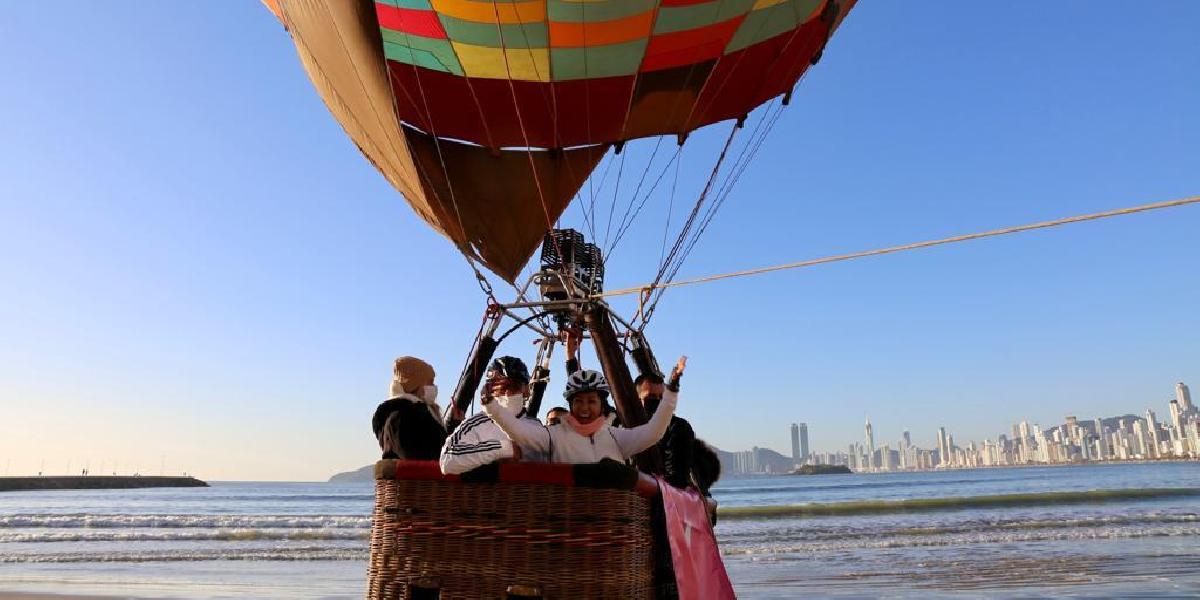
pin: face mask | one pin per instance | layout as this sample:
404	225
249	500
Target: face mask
651	403
429	393
512	402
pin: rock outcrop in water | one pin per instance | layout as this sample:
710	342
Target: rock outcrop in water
822	470
95	482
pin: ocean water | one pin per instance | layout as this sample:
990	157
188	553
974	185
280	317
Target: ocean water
1080	531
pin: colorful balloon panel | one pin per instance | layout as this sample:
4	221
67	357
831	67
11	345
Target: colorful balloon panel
593	71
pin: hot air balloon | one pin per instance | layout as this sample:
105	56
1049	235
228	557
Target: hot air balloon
488	116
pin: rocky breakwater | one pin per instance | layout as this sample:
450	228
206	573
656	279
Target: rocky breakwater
95	482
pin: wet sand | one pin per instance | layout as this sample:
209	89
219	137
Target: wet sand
39	596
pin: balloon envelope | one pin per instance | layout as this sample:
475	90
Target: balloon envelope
489	115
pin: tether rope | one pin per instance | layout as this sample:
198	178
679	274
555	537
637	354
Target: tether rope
913	246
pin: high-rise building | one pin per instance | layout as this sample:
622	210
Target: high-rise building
1140	439
1176	417
1184	397
803	442
870	434
1101	447
943	450
1152	428
795	443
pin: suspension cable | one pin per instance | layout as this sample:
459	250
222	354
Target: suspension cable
914	246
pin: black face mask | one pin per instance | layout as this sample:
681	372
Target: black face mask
651	403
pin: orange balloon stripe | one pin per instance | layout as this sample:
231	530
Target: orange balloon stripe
533	11
617	31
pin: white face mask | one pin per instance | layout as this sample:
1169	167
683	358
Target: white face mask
514	402
429	393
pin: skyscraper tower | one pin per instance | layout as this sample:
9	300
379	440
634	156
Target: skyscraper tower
803	442
943	450
1152	426
1176	417
1184	396
870	445
795	443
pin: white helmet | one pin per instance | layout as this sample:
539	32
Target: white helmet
586	381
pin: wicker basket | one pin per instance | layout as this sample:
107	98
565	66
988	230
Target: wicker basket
531	532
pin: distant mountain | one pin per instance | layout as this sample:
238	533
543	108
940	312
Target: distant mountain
366	473
1112	423
757	460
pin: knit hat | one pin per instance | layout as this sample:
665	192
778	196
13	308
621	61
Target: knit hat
410	375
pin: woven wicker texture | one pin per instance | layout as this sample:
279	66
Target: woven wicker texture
476	540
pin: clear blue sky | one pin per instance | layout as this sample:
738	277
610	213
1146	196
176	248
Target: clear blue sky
198	268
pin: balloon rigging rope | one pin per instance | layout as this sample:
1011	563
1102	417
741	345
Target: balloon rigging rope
633	197
748	153
686	228
687	225
320	71
537	181
612	208
630	219
913	246
467	254
662	253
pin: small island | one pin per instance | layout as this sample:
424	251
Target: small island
822	470
95	482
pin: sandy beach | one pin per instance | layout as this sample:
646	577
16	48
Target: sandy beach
40	596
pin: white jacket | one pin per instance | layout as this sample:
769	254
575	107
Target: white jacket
479	441
565	445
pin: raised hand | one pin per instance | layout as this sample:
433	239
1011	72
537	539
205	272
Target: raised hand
676	373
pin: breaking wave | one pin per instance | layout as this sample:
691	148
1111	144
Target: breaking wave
896	540
223	535
250	554
186	521
953	503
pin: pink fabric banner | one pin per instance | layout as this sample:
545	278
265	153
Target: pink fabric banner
699	572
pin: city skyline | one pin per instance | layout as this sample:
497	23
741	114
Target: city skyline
1122	437
1128	436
